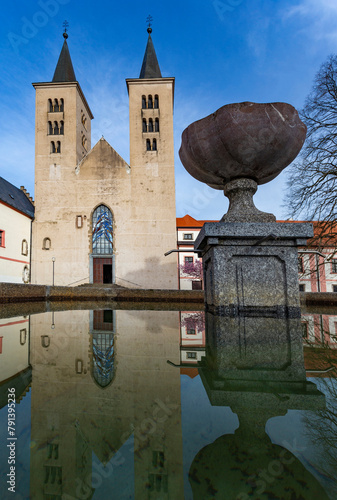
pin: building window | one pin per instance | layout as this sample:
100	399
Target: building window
50	128
50	106
52	451
23	336
158	482
334	288
191	355
62	128
156	125
53	474
58	147
24	247
56	128
45	341
150	102
46	244
196	285
102	231
25	274
188	236
300	265
191	331
301	288
156	102
52	147
143	102
148	145
188	260
61	105
144	125
154	145
334	265
2	238
150	125
305	329
79	221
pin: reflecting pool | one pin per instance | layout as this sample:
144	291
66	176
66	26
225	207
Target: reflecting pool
166	404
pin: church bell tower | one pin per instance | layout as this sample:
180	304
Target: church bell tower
151	99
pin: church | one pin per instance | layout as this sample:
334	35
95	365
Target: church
97	218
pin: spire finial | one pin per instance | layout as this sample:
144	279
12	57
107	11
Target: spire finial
149	20
65	26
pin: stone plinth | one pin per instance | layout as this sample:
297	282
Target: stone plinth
252	267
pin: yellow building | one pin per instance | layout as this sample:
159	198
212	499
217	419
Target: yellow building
98	219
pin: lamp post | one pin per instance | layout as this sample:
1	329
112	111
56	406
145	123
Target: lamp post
53	259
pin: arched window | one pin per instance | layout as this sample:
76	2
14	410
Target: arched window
156	102
150	125
50	128
102	231
46	244
52	147
50	106
56	105
144	125
25	274
45	341
143	102
58	147
23	336
61	105
103	356
148	145
154	145
56	128
62	128
156	125
24	247
150	102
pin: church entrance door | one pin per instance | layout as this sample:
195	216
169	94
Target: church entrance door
102	268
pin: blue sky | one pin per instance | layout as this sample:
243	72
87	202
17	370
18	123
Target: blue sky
219	51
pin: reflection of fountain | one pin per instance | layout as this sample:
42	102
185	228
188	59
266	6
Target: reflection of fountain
249	260
255	366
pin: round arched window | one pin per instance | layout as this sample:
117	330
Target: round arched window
102	231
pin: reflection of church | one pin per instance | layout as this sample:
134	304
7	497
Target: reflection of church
105	405
100	219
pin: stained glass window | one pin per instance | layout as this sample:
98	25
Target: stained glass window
102	234
103	358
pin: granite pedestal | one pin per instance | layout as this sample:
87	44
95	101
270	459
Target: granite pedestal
250	268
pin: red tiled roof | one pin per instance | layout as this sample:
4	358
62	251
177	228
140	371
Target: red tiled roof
188	221
327	237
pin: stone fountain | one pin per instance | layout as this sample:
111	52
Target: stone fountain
250	261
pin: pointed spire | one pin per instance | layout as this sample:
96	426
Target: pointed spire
150	66
64	71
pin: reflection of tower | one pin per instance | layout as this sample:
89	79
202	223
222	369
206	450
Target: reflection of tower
84	404
259	378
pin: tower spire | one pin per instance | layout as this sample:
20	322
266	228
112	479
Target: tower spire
150	66
64	71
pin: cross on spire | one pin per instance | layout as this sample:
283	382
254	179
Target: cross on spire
65	26
149	20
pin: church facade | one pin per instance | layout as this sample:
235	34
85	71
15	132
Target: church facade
97	218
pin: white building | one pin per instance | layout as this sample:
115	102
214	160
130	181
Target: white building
16	214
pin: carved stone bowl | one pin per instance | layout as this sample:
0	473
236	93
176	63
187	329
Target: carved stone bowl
242	140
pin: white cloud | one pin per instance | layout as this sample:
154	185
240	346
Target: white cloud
317	17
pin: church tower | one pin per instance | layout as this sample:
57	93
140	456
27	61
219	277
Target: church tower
151	99
62	139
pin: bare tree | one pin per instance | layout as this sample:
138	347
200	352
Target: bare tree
312	183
